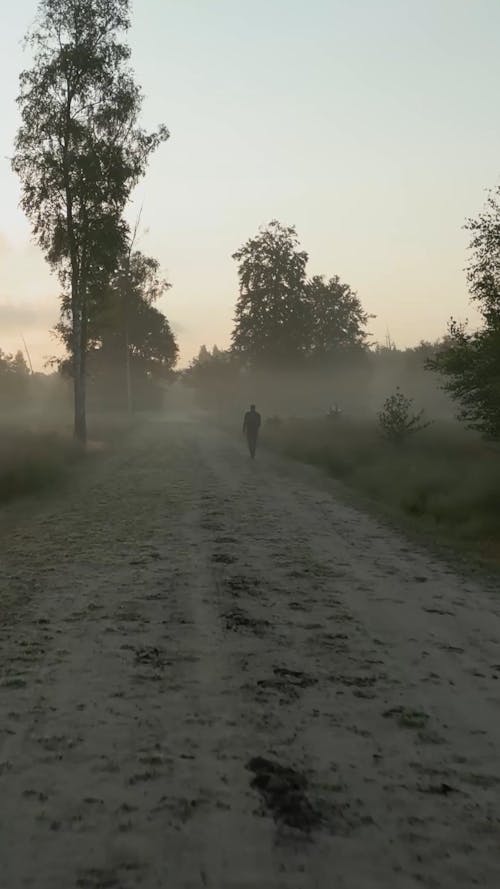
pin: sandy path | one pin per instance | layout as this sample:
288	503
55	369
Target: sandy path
191	617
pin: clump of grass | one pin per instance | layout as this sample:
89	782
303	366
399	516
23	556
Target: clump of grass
445	479
32	462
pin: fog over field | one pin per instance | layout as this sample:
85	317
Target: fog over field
249	445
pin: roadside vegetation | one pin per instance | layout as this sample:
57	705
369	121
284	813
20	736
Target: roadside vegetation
38	451
34	462
444	481
39	454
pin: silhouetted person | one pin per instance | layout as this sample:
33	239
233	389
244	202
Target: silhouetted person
251	426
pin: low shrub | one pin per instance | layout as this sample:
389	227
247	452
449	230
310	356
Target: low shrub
397	420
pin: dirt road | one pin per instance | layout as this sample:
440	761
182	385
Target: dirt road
216	674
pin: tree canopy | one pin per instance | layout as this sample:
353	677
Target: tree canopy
79	151
214	375
470	361
470	365
14	379
284	320
271	311
484	268
337	320
127	329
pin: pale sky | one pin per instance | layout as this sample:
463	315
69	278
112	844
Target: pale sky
372	125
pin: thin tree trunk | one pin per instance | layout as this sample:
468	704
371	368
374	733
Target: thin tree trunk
78	340
79	377
128	371
127	294
79	319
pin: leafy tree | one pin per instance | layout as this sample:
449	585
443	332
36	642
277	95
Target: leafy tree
203	357
336	317
397	420
470	365
127	331
484	269
214	375
272	311
14	379
79	152
470	361
282	319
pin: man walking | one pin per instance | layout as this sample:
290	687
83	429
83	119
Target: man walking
251	426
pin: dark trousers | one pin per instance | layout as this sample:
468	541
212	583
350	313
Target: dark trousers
252	442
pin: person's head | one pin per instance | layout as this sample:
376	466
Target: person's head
252	407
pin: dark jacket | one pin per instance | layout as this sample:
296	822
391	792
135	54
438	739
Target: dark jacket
252	423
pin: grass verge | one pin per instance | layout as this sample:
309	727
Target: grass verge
31	462
443	480
39	454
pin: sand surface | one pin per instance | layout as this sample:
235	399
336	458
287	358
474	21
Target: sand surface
217	674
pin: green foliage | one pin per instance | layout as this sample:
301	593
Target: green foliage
397	420
124	321
79	152
14	379
214	375
337	321
470	363
271	311
470	366
484	268
284	320
130	320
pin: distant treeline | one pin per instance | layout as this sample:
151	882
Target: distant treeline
356	381
20	389
300	343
